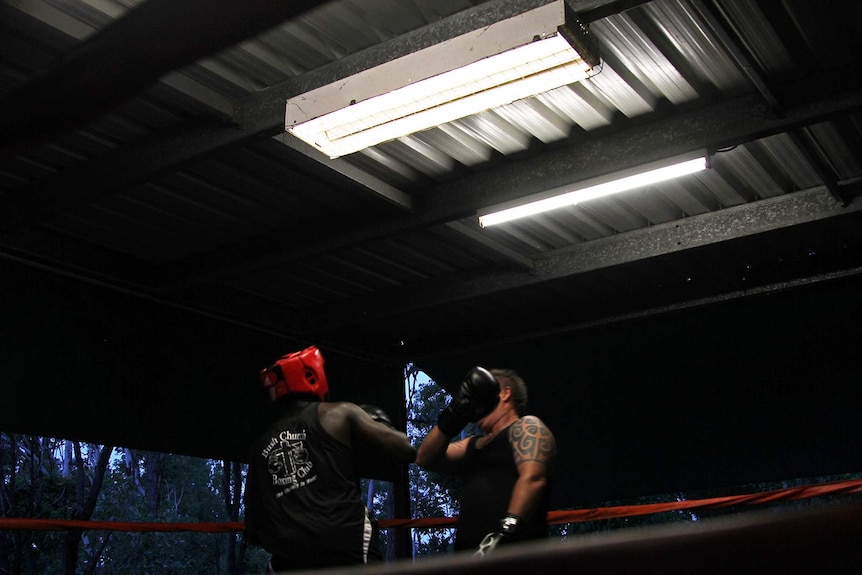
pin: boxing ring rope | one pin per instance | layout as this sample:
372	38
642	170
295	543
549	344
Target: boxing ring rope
578	515
848	487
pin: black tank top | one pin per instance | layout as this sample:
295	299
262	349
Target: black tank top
303	495
489	476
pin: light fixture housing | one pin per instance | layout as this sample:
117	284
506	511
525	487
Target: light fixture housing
569	195
514	58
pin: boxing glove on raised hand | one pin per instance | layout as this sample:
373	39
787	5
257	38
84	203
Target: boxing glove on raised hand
477	397
377	414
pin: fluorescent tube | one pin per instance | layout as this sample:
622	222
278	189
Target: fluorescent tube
591	189
509	60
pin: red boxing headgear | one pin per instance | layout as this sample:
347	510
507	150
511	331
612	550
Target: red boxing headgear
300	372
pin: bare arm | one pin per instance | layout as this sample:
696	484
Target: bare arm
376	434
436	453
534	449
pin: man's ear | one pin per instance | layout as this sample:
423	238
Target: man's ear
505	394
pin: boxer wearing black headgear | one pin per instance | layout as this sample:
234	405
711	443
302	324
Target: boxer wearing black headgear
506	488
478	395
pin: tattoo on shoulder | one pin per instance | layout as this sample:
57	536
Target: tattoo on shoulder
532	440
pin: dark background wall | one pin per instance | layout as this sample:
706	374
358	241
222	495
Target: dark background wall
80	362
761	389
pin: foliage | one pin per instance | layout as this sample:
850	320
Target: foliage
41	476
39	481
432	494
185	493
32	486
54	479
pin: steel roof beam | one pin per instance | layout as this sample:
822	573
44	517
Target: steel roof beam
123	59
258	115
680	235
729	123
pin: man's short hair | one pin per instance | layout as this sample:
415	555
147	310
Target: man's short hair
509	378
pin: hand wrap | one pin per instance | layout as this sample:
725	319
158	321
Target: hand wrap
508	531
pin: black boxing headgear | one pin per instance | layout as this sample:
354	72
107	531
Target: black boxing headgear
297	373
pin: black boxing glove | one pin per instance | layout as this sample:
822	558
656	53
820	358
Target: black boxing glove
377	414
508	531
477	397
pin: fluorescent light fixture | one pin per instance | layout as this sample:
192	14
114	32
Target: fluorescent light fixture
644	175
506	61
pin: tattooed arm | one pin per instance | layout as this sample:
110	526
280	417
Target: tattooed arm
534	448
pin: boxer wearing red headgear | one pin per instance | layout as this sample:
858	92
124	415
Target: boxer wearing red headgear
303	503
297	373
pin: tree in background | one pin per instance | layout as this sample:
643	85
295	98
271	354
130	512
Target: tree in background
56	479
46	478
88	484
432	494
147	486
233	479
32	485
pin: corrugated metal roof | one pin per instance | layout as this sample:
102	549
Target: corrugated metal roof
190	184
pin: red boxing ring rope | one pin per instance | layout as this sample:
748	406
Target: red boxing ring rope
554	517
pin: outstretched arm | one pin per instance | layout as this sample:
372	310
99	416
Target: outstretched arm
381	434
476	397
347	421
436	453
